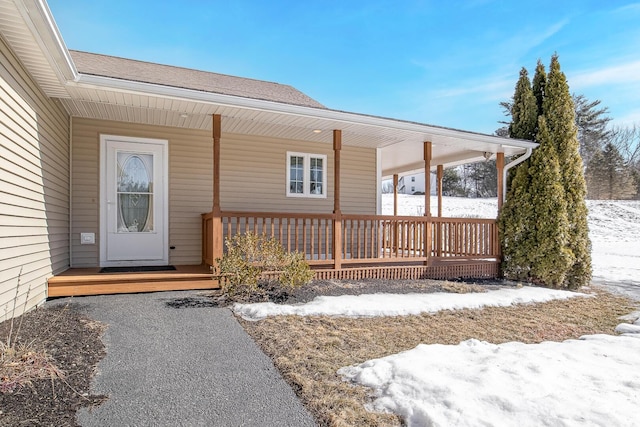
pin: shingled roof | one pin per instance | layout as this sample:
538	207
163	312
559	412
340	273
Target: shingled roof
186	78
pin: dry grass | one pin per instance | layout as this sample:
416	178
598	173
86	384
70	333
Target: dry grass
20	364
309	350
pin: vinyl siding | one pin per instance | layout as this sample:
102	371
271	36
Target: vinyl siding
190	186
34	188
253	178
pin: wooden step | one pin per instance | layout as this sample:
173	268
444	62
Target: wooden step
88	281
78	289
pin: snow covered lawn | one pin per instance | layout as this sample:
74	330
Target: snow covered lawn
478	383
614	229
401	304
591	381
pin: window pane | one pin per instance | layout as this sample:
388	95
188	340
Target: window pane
135	192
315	176
296	175
134	172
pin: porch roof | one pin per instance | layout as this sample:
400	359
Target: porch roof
97	86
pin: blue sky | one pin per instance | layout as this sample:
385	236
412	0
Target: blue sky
446	63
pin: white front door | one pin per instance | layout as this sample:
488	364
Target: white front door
133	196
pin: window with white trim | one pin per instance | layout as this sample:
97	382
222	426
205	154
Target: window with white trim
306	175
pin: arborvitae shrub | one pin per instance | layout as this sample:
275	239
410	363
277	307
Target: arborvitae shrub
543	223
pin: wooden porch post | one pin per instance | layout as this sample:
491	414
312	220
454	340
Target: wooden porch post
216	226
439	175
500	169
395	194
396	229
427	198
337	213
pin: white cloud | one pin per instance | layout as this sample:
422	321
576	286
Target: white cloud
533	37
629	8
490	89
613	75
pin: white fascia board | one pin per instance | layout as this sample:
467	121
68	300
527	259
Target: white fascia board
37	16
100	82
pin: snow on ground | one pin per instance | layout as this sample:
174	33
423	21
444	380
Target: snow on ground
614	229
591	381
371	305
594	380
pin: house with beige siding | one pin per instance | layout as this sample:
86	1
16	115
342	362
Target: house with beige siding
110	162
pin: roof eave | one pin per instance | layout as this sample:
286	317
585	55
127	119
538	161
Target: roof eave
38	17
128	86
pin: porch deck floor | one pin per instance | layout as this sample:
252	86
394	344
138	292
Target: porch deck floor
89	281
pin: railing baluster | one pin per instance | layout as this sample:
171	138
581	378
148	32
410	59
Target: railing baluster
311	248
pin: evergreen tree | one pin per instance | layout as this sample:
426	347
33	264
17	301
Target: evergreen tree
523	111
559	112
592	124
551	259
539	83
543	224
515	225
524	114
482	179
452	183
533	222
609	178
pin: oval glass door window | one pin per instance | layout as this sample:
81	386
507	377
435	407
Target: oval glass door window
135	192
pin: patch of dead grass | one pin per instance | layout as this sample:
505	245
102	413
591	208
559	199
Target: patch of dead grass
309	350
22	363
461	288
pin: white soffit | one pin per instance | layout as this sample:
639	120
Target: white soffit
42	56
92	93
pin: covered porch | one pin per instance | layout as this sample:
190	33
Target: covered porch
227	174
347	246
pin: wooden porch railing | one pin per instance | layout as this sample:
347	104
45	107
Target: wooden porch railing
379	238
362	239
311	234
465	238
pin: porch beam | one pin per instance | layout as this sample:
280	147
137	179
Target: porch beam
500	171
439	176
395	194
337	213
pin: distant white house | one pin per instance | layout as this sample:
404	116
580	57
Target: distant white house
412	184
